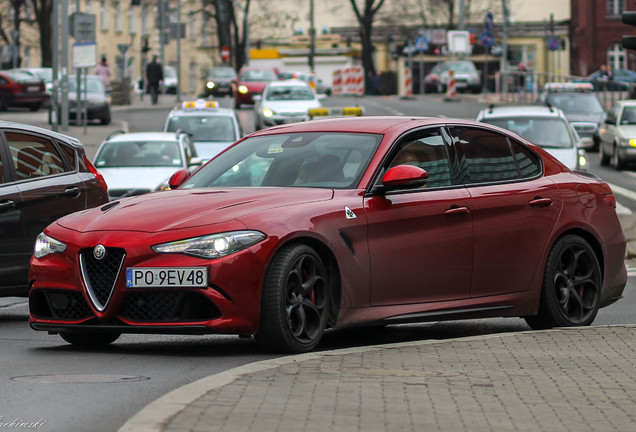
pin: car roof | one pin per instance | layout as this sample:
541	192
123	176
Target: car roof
289	83
210	112
6	124
366	124
627	102
521	111
143	136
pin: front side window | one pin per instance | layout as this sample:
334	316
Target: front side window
427	151
34	156
321	160
489	157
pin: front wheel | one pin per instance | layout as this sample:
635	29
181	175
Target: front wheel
617	161
295	301
571	286
605	158
90	339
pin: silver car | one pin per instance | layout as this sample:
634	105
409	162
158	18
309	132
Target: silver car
545	126
618	135
285	102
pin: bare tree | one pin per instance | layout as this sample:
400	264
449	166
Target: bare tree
43	10
365	16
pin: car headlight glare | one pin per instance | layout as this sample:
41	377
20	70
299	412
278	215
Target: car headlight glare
210	85
267	112
212	246
243	89
45	245
632	142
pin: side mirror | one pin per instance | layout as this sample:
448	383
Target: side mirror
178	178
196	161
404	177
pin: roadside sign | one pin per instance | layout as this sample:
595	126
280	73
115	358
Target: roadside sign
487	38
459	41
488	22
438	36
225	53
554	44
421	44
84	54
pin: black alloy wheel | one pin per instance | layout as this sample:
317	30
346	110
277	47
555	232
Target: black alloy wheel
90	339
571	287
295	301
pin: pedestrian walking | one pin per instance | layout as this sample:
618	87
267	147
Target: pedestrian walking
154	76
103	70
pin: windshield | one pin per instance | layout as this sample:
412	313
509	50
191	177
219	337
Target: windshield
580	103
258	75
139	154
45	74
628	115
459	67
95	85
326	160
278	93
222	73
545	132
204	128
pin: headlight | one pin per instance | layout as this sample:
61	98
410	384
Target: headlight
632	142
45	245
243	89
267	112
212	246
210	85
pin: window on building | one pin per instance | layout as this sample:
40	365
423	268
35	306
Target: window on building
191	27
145	19
103	15
89	6
118	17
205	36
615	7
132	20
192	76
617	56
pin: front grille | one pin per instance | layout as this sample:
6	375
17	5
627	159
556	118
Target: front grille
100	275
167	306
59	304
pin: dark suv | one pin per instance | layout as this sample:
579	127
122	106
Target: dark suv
43	176
219	81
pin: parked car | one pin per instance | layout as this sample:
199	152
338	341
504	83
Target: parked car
618	135
467	77
136	163
97	99
284	102
218	81
43	176
544	126
581	106
251	81
170	80
337	223
45	74
620	79
18	89
211	128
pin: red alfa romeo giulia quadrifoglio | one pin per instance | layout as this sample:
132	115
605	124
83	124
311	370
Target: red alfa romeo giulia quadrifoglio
333	223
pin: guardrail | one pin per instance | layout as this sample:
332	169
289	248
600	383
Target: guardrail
524	87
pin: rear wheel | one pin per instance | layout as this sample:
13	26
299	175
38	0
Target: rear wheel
90	339
295	301
605	158
617	161
571	286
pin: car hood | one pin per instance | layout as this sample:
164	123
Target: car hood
182	209
627	131
136	177
585	117
291	106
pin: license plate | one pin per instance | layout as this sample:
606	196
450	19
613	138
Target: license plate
159	277
33	89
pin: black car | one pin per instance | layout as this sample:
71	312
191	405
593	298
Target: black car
43	176
219	81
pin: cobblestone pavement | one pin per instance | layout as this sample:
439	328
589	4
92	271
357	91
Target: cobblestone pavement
558	380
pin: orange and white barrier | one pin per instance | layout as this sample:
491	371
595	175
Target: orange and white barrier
408	82
348	81
451	91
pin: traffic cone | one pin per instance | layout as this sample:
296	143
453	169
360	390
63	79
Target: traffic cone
451	91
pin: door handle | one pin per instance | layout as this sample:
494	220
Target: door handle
6	205
72	191
457	211
540	202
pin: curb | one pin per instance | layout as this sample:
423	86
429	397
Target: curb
156	415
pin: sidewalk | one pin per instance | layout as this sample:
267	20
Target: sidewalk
558	380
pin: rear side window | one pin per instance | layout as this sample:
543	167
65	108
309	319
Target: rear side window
70	154
34	156
490	157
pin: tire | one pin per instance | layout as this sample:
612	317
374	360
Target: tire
3	104
105	120
571	286
605	159
617	162
34	107
294	302
90	339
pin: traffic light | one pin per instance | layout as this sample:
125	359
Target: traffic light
629	18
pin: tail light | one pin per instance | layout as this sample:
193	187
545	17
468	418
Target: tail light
610	199
97	174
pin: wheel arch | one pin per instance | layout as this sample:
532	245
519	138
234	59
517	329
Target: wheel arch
591	239
331	263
